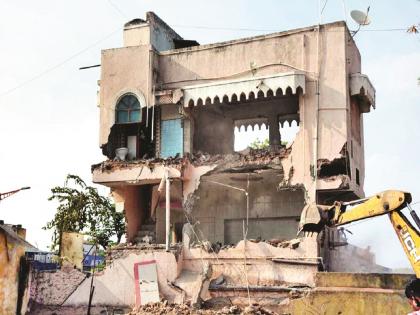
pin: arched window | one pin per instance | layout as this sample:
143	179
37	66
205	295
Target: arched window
128	110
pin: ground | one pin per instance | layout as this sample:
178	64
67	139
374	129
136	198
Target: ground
162	308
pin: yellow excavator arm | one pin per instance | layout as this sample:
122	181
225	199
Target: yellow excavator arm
409	238
391	202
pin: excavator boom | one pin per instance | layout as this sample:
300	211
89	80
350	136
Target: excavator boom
409	238
315	217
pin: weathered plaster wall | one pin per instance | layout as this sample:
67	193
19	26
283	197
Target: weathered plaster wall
214	122
71	249
120	74
136	203
347	293
113	173
273	213
260	267
295	50
11	254
54	287
214	133
177	213
136	35
115	286
162	35
305	50
130	69
355	121
169	112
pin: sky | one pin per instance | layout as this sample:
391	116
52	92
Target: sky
49	118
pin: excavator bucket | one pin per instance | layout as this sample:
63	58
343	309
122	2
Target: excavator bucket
313	218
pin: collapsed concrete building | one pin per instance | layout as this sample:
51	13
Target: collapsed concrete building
175	105
168	112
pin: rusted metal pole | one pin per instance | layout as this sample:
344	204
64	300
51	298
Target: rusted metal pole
9	193
168	209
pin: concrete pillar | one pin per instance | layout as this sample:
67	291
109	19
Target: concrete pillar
168	210
274	133
134	211
188	135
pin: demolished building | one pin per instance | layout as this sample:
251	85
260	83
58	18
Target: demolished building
175	105
169	108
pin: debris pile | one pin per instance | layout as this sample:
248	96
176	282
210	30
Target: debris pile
251	156
164	307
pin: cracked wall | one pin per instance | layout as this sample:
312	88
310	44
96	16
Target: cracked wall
222	210
311	169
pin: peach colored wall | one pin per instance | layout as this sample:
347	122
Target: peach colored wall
358	159
294	50
10	255
134	206
331	50
123	70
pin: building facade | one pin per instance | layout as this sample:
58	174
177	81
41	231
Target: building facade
175	104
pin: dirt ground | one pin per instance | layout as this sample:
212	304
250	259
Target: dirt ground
163	308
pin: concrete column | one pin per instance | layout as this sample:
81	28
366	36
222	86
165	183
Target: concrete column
168	210
134	212
274	133
188	135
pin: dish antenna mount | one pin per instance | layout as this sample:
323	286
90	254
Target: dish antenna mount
361	18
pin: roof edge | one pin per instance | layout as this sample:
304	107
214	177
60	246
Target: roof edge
255	38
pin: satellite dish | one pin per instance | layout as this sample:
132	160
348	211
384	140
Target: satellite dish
360	17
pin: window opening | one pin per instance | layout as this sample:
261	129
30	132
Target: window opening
254	137
288	132
128	110
171	138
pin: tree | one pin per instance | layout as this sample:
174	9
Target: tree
82	209
257	144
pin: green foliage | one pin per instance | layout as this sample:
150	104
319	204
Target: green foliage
257	144
81	209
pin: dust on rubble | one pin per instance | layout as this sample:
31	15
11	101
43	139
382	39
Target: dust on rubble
162	308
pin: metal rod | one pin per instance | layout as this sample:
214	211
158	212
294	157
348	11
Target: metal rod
414	215
353	202
168	209
92	287
88	67
257	288
225	185
9	193
153	114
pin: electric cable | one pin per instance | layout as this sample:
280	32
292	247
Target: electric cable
54	67
323	8
117	9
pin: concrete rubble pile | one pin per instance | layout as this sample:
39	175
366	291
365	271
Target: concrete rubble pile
164	307
198	159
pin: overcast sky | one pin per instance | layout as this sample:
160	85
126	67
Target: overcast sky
49	119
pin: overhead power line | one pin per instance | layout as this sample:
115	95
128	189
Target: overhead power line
323	8
50	69
117	9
